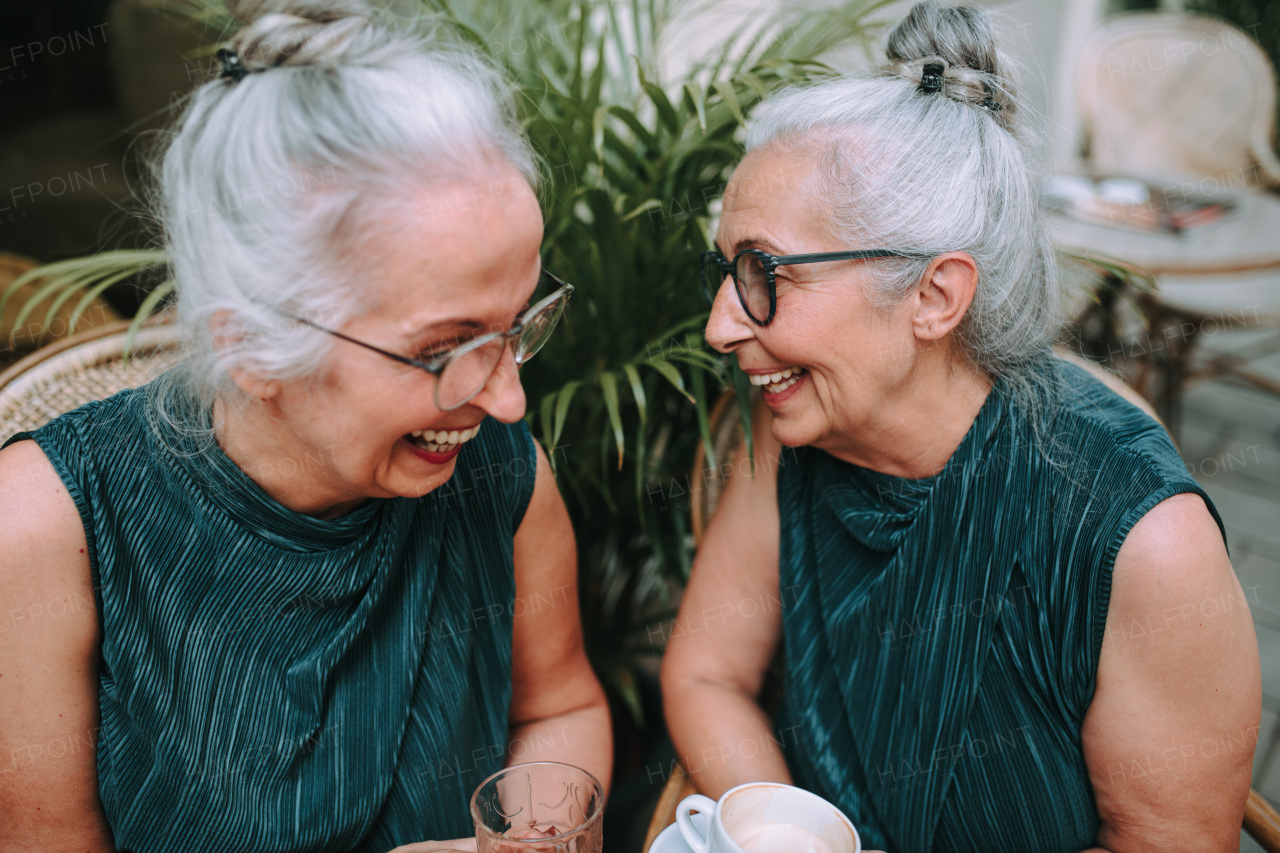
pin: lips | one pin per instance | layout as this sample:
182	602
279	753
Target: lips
433	457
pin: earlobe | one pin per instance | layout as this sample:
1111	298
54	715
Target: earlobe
226	336
945	294
253	386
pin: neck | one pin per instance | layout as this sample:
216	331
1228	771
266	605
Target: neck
294	476
920	422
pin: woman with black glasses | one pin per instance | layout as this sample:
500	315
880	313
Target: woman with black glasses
318	553
988	569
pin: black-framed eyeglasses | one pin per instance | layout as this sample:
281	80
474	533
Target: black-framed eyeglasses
462	372
752	271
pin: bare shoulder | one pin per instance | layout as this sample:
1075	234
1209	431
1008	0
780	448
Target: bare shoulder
739	551
1170	735
42	543
728	629
1176	550
545	519
49	638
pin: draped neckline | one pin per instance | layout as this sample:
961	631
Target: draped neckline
232	491
879	580
879	509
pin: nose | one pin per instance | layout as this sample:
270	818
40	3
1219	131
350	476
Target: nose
728	327
503	396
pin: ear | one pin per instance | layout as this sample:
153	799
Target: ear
254	386
227	335
945	293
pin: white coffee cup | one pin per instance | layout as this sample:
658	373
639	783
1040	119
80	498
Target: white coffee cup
767	817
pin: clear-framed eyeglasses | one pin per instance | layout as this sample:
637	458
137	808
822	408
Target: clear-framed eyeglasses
462	372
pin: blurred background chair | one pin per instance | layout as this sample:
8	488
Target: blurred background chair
1170	95
1186	104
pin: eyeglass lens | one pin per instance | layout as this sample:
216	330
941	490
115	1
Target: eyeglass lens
465	375
712	275
749	279
537	330
753	285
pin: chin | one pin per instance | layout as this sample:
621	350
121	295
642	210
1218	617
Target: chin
792	434
406	479
426	486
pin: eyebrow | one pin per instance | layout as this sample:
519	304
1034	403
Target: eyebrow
757	243
473	326
437	326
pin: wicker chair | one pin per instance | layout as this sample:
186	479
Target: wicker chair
1188	103
85	367
1261	821
1176	95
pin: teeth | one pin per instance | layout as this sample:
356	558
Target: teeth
442	441
775	378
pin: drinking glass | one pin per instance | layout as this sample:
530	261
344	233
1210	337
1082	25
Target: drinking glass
542	806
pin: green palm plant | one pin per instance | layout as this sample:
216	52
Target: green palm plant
634	161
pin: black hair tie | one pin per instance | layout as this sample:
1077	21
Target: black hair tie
232	68
931	79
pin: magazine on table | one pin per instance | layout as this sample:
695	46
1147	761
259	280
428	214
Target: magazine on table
1132	203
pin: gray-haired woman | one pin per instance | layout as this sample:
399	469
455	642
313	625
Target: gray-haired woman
1008	618
315	584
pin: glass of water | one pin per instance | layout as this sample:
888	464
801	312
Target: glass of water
543	806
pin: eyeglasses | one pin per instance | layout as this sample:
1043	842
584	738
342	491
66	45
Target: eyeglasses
753	279
462	372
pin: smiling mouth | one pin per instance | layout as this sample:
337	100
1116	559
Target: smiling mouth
442	440
776	383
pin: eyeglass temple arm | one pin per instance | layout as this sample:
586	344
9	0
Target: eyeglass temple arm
430	366
817	257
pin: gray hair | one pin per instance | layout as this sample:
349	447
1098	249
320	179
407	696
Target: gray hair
927	173
268	182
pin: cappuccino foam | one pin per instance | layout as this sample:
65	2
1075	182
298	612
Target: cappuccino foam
780	838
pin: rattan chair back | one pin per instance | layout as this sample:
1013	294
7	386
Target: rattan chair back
1180	98
79	370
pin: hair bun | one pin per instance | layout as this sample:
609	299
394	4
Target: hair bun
296	32
961	40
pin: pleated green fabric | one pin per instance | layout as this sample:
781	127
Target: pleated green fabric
942	635
275	682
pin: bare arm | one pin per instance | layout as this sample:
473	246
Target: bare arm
719	650
49	640
1170	735
558	710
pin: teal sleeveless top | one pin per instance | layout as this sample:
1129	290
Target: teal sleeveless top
942	635
271	681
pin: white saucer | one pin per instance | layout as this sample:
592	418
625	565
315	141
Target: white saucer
671	841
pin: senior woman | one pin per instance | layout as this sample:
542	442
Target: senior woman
307	547
990	567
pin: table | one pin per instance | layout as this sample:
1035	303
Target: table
1216	277
1247	239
